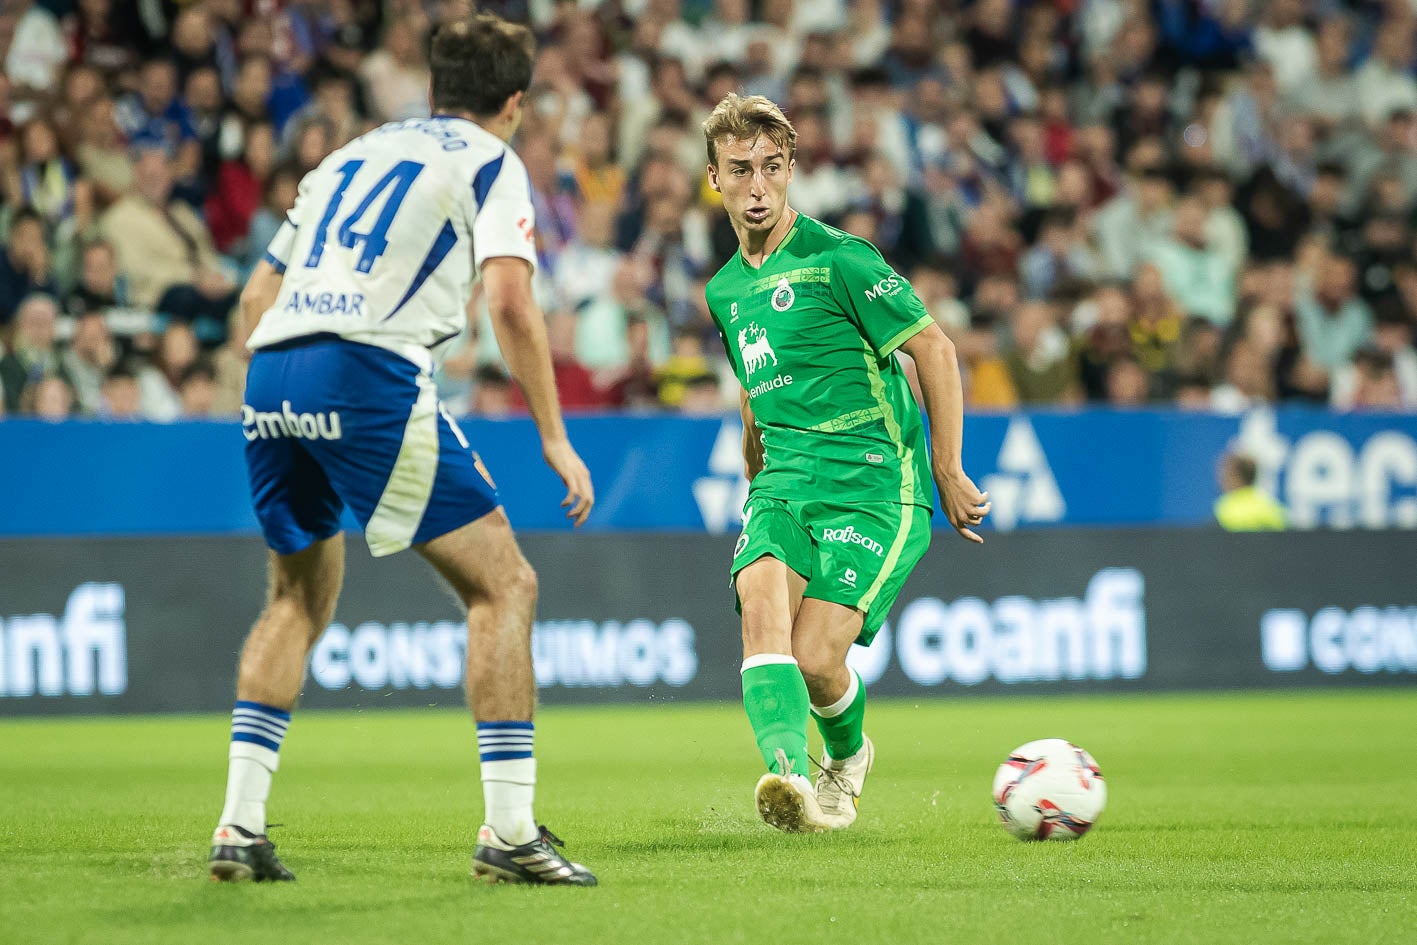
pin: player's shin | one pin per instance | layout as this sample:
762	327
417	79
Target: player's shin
257	731
841	722
775	698
508	779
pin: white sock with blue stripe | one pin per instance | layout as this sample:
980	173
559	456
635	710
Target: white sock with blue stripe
256	733
508	779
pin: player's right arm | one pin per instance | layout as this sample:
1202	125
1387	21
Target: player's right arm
752	438
503	225
521	333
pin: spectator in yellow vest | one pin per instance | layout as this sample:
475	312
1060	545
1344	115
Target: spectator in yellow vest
1243	506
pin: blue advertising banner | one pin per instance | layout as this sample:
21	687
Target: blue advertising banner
1043	469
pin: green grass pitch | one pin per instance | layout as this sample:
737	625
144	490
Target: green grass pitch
1232	818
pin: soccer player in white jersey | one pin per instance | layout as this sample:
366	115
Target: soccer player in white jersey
362	286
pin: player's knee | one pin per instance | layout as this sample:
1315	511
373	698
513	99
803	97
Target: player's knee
517	587
817	670
766	628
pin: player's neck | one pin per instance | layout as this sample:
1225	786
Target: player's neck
500	124
757	246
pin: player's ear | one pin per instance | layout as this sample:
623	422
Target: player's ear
713	179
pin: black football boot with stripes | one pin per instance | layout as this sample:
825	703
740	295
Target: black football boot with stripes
239	855
536	862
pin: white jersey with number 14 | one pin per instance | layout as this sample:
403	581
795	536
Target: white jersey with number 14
388	233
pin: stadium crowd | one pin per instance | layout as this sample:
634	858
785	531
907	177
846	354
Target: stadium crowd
1201	202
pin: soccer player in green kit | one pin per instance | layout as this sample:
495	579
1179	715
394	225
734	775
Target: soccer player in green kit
838	512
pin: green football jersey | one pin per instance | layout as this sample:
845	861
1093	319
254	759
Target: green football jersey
810	335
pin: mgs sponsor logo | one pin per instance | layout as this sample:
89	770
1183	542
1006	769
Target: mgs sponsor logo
886	287
272	425
850	536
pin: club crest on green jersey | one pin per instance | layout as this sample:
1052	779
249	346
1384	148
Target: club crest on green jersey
783	296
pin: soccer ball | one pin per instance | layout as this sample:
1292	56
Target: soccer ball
1049	790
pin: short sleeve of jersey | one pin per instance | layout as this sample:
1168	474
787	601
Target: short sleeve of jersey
504	223
278	252
876	297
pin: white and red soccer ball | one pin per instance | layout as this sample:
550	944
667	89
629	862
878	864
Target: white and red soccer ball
1049	790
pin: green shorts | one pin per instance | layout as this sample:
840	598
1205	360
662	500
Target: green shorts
858	556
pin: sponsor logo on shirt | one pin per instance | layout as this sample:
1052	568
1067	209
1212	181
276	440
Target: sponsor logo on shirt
325	303
849	578
886	287
755	348
850	536
273	425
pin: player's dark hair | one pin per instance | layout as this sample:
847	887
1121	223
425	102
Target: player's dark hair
1244	469
480	62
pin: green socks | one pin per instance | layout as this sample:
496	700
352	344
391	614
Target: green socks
840	723
775	698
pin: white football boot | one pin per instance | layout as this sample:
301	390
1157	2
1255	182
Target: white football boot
839	785
789	802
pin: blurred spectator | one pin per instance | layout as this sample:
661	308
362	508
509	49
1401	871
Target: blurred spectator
239	187
686	361
196	391
574	384
1333	322
49	398
165	248
1129	226
587	265
161	382
702	397
25	264
121	398
33	350
277	198
1041	362
492	392
1391	360
396	74
602	334
91	354
48	182
1061	255
1384	83
1198	277
1243	506
37	48
1126	383
101	153
1248	379
154	117
636	385
1286	44
100	286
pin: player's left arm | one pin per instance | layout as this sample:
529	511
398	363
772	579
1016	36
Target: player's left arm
260	293
942	389
891	316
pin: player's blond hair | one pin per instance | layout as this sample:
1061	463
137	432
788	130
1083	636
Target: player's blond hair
746	118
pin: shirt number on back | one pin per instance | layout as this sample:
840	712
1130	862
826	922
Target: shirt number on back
371	243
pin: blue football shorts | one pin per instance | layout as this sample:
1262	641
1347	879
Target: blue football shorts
331	423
